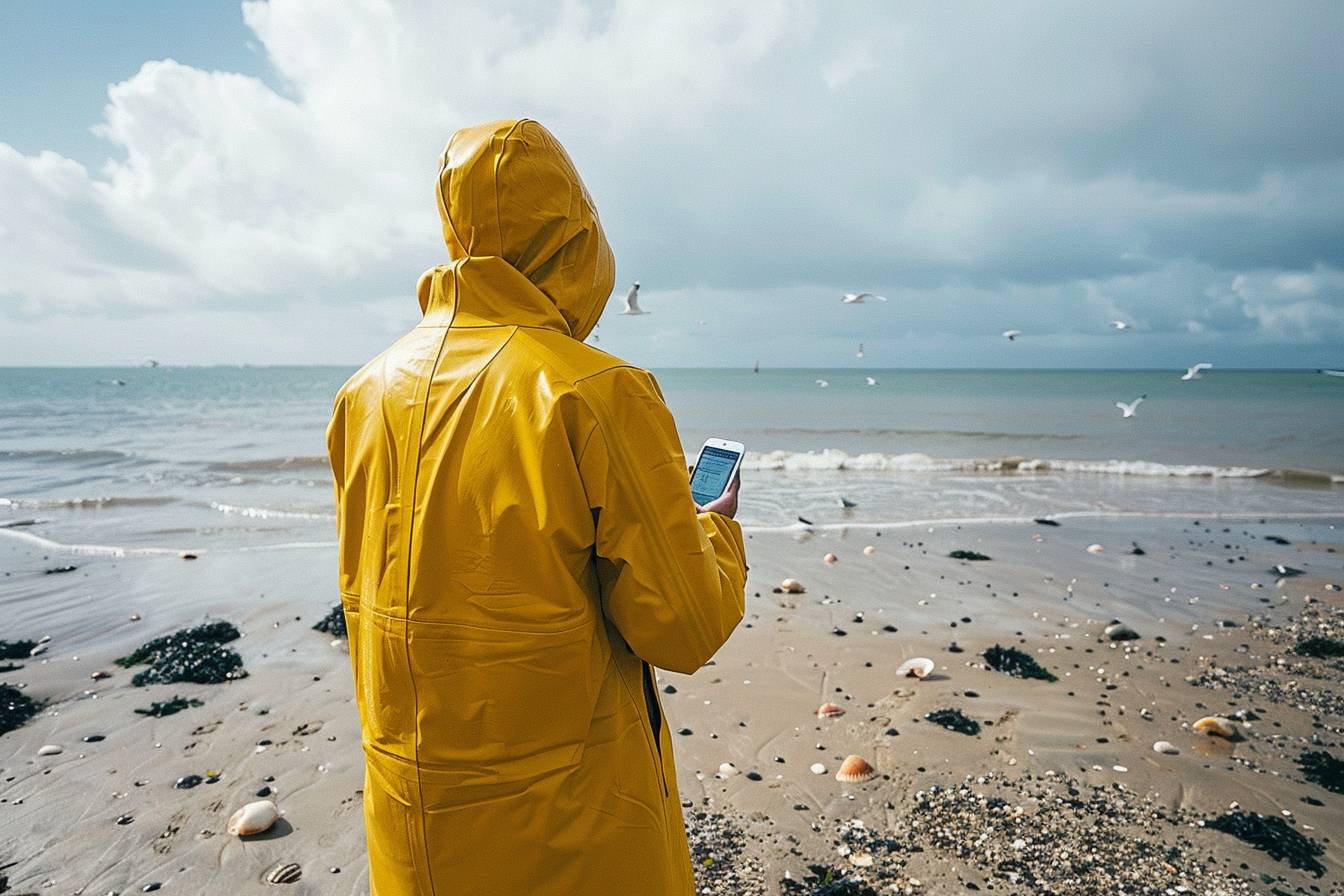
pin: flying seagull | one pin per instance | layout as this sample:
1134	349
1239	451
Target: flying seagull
1120	325
1128	409
1193	372
859	353
1010	335
871	381
632	301
856	298
823	383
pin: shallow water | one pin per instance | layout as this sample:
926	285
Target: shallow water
199	458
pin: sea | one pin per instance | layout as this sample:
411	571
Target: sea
169	459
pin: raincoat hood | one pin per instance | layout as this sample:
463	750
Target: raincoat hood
509	197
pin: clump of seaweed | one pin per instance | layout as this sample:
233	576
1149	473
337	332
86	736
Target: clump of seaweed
16	650
968	555
954	720
161	708
1273	836
333	623
1319	767
16	707
824	881
1011	661
1320	648
196	655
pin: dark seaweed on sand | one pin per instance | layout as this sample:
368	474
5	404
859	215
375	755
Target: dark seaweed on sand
161	708
16	650
196	655
16	707
954	720
333	623
1319	767
1274	836
824	881
1321	648
1011	661
968	555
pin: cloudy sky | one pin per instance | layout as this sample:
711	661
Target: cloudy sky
210	183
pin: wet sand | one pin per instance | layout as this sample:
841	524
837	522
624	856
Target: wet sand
1059	792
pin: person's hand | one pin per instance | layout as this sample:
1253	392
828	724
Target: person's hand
725	503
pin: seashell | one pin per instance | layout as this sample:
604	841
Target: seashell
869	551
1095	549
1165	746
818	768
727	770
918	667
792	586
284	873
1215	726
50	750
38	650
861	860
100	675
135	617
830	559
253	818
829	711
340	644
855	769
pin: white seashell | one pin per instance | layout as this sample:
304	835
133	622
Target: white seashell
869	551
791	586
1215	726
727	770
818	768
254	818
50	750
918	667
830	559
861	860
1095	549
340	644
284	873
1165	746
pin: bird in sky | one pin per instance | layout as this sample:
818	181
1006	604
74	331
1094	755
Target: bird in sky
632	301
1193	372
1120	325
859	353
1127	410
871	381
823	383
857	298
1010	335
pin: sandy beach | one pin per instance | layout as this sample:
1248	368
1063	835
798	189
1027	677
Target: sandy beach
1060	791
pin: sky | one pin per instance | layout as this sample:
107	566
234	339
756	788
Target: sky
213	183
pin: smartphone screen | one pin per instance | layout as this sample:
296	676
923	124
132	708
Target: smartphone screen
712	473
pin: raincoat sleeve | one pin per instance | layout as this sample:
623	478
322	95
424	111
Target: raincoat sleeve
672	580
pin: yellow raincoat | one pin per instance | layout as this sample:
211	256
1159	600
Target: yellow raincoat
518	544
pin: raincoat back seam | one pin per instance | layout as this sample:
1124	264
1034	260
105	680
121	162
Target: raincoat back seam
423	408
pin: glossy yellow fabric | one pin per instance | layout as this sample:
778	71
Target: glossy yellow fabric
517	542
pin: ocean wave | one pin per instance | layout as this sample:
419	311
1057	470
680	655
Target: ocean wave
86	503
265	464
267	513
833	460
85	456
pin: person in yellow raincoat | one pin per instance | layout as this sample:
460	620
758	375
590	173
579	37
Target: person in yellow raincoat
518	546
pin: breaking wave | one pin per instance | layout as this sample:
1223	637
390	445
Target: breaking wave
834	460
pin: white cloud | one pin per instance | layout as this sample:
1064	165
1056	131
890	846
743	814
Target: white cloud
957	161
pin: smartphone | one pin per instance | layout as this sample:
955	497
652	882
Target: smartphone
716	466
